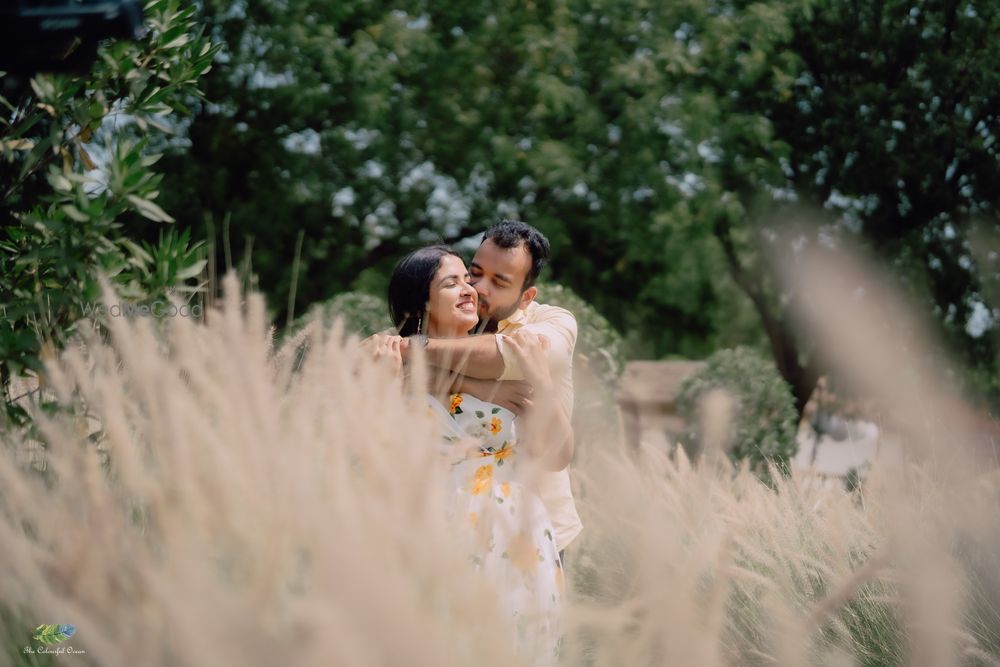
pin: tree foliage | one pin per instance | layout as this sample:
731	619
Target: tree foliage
882	114
375	129
75	167
651	142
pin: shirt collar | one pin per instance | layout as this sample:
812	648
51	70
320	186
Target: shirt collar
518	319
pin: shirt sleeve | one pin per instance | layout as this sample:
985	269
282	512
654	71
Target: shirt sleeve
556	324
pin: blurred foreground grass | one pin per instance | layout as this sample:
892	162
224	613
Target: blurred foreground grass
207	499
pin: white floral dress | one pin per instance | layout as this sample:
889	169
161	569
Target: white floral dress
514	544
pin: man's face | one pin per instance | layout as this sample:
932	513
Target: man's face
498	275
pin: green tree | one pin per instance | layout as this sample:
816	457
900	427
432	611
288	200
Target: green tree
884	115
652	143
75	168
377	127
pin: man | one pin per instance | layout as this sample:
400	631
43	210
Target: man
504	271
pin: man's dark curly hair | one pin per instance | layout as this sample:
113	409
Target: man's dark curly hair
511	234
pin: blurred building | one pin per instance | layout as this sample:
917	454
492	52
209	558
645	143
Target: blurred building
835	440
647	400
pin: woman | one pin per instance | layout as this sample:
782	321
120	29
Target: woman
430	294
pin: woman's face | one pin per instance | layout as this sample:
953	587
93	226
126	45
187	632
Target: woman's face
453	305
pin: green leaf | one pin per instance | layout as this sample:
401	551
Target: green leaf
52	634
75	213
191	271
178	42
43	87
59	181
137	251
148	209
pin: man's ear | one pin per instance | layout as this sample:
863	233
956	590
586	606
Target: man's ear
528	296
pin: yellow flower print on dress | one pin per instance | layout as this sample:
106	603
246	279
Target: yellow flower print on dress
522	552
502	453
507	534
482	480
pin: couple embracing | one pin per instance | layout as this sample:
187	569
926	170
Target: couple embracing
503	377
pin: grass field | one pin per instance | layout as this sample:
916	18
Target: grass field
208	499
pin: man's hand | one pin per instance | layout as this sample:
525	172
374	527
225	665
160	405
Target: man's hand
515	395
548	433
532	352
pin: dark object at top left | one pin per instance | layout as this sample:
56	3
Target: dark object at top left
62	35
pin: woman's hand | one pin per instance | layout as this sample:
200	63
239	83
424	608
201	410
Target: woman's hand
385	348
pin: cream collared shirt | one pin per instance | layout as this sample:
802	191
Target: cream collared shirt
559	326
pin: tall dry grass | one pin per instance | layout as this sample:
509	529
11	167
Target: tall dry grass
248	505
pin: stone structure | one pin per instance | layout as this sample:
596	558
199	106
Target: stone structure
647	399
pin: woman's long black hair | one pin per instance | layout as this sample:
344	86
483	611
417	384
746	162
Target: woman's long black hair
410	287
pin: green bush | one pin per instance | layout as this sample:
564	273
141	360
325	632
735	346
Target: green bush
363	314
763	424
76	179
598	345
